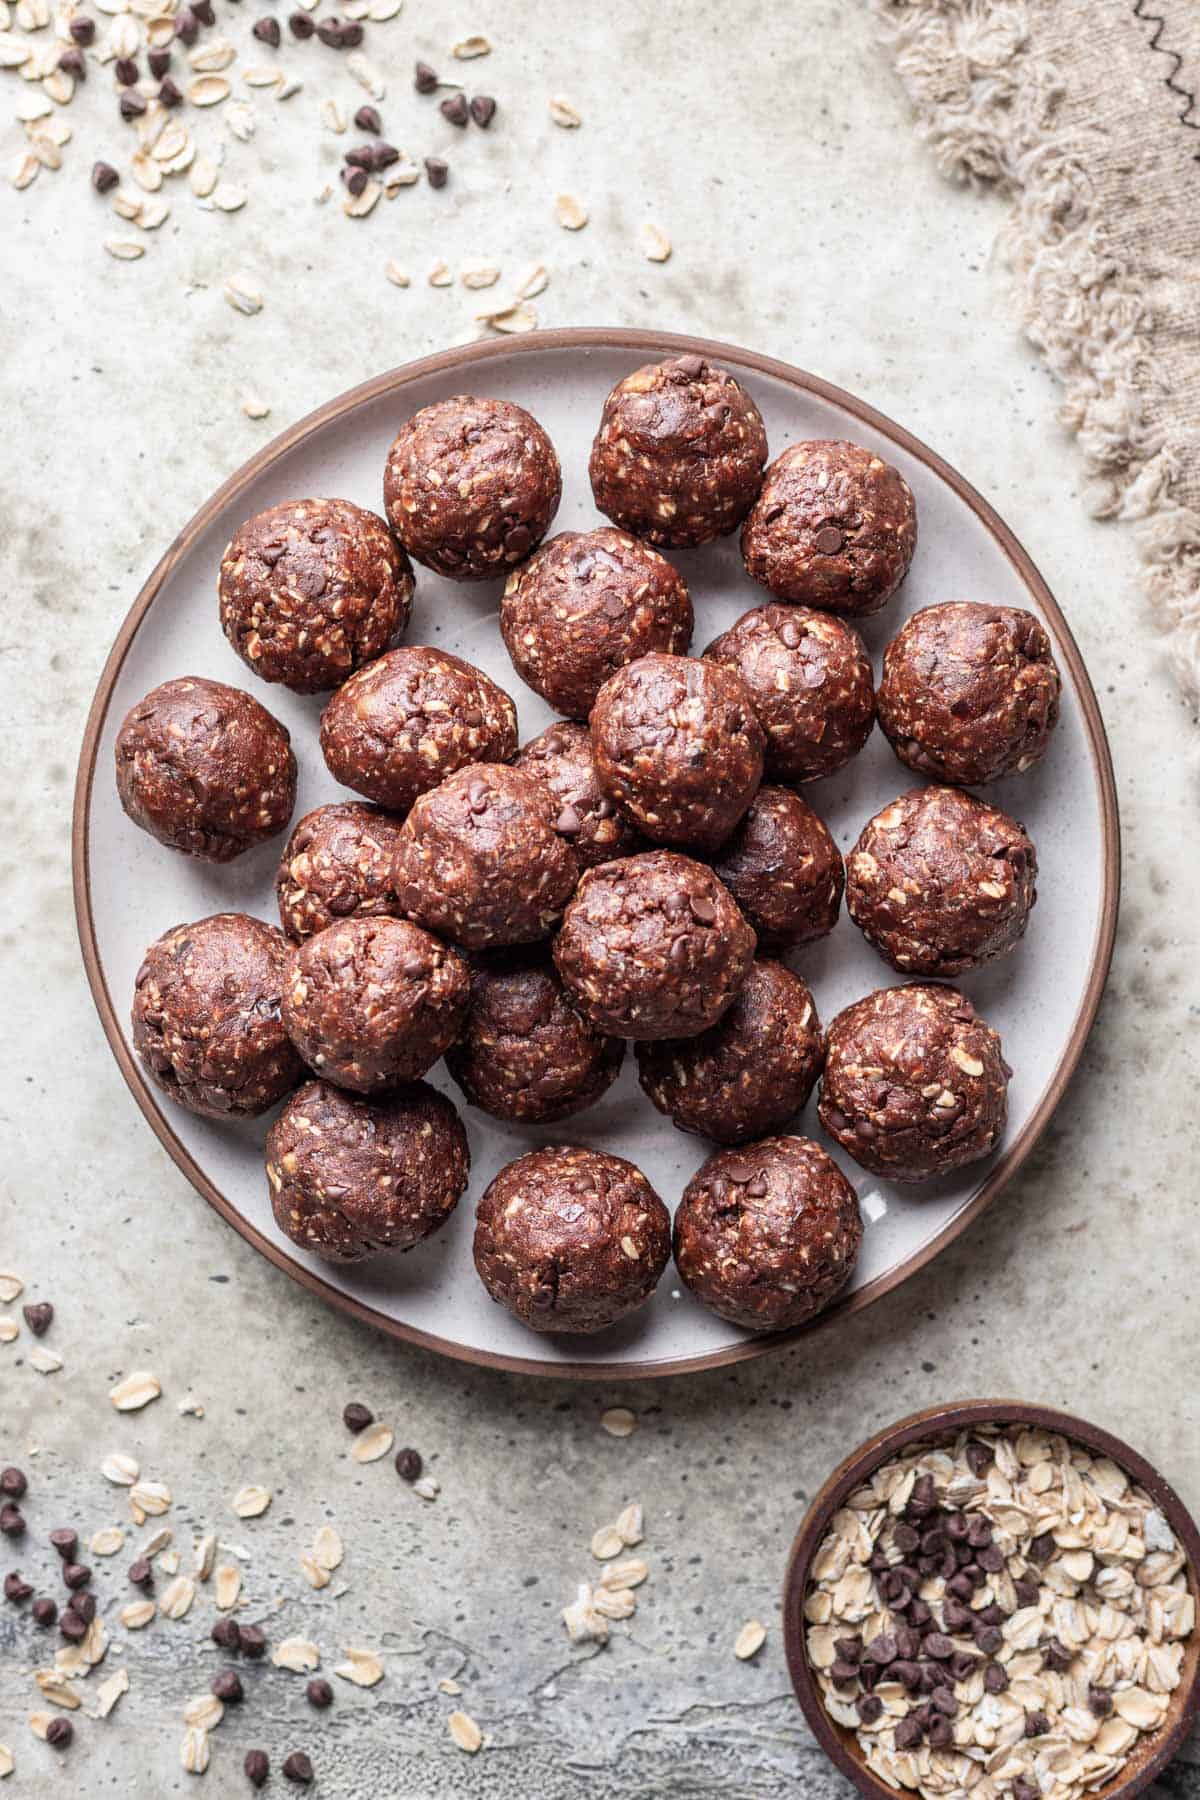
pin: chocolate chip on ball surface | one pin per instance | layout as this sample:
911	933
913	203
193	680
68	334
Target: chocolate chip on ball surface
969	692
810	679
653	947
583	606
940	882
311	590
751	1072
407	721
678	749
205	769
834	527
561	760
679	455
784	870
571	1239
479	860
336	865
351	1177
471	486
372	1002
914	1084
525	1052
207	1023
767	1235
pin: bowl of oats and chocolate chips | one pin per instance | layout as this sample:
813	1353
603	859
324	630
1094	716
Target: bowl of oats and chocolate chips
997	1600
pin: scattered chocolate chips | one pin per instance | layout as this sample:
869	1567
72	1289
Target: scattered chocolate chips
267	32
59	1732
39	1316
77	1575
85	1605
319	1693
142	1575
256	1768
65	1541
12	1521
187	28
126	70
16	1588
104	177
384	155
169	94
131	105
72	1627
870	1708
226	1684
1100	1701
44	1611
437	171
356	180
13	1483
408	1464
367	119
226	1632
253	1641
159	62
298	1768
356	1417
300	26
456	110
73	63
483	110
908	1732
1036	1724
995	1678
425	79
82	29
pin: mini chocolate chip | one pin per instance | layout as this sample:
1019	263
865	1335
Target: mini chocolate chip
352	34
456	110
870	1708
1025	1790
1100	1701
568	822
187	28
1027	1591
13	1483
828	540
267	32
256	1768
870	1674
367	119
59	1732
126	70
995	1678
848	1648
330	32
40	1315
72	1627
1042	1549
253	1641
160	62
962	1664
905	1538
991	1615
980	1456
483	110
919	1614
65	1541
961	1586
907	1733
908	1643
82	29
85	1605
955	1527
425	79
74	63
77	1575
988	1638
991	1558
169	95
225	1632
131	105
943	1701
934	1542
882	1649
979	1531
16	1589
408	1464
356	180
142	1575
907	1673
297	1768
300	26
204	11
226	1684
356	1417
940	1732
44	1611
1056	1656
842	1674
319	1693
1036	1724
12	1521
938	1645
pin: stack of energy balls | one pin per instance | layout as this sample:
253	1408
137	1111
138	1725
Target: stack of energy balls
636	873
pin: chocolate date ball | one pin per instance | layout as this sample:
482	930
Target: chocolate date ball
679	454
784	870
570	1239
206	1016
369	1002
479	859
311	590
834	527
350	1178
766	1236
585	605
969	692
404	723
678	748
940	882
810	681
750	1072
561	760
337	865
653	947
471	486
205	769
914	1082
525	1052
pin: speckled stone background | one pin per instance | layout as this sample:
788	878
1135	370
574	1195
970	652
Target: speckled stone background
772	145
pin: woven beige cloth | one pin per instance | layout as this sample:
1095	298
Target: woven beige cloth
1086	114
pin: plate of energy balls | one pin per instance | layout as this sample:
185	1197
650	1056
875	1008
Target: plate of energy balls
596	856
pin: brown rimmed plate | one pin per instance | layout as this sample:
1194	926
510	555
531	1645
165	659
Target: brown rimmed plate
1151	1754
1043	1000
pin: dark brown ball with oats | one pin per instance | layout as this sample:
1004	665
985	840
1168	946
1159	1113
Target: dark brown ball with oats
479	859
525	1052
679	454
940	882
583	606
810	679
571	1239
969	692
207	1023
653	947
834	527
337	865
748	1074
471	486
350	1178
768	1235
784	870
915	1084
311	590
678	748
561	760
373	1002
205	769
401	725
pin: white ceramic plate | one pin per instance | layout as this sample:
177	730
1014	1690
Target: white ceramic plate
1042	1000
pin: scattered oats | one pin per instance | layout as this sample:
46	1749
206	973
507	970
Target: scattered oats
109	1692
202	180
479	275
511	319
298	1654
563	113
240	120
107	1542
584	1624
357	206
465	1732
70	1660
380	11
124	38
43	1360
470	47
619	1422
145	171
177	1597
9	1329
57	130
149	1498
94	1645
970	1065
395	274
7	1765
440	275
137	1614
160	32
656	244
204	1711
250	1502
59	85
363	1667
262	77
228	1586
172	143
253	405
332	116
127	206
448	1686
750	1640
628	1574
534	283
14	56
216	53
366	74
228	197
614	1603
168	1562
372	1443
241	296
401	175
427	1488
314	1574
33	106
286	89
630	1524
121	1470
327	1548
193	1753
208	90
204	1552
39	1724
152	213
569	213
607	1543
57	1691
325	195
137	1390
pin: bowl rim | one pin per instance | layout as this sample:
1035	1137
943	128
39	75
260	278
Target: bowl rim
467	360
940	1420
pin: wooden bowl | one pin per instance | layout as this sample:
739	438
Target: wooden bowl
1153	1752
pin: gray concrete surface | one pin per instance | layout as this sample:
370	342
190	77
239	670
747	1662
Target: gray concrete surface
773	147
